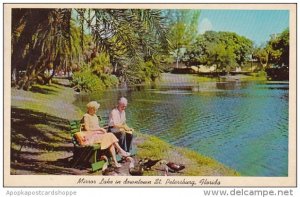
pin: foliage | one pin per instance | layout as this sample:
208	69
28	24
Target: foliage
151	71
262	55
41	37
275	56
69	39
101	64
132	71
183	30
109	80
221	56
224	49
261	74
96	75
278	47
130	37
87	81
77	52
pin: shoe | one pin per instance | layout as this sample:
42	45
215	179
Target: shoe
125	154
117	165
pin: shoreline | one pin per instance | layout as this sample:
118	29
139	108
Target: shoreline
42	144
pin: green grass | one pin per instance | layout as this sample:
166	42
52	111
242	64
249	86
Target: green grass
260	76
206	166
48	90
153	148
196	164
197	78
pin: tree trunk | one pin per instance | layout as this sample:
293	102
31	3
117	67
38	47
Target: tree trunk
48	79
14	76
26	81
27	85
56	64
33	18
177	58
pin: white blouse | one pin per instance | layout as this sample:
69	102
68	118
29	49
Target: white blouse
91	122
116	117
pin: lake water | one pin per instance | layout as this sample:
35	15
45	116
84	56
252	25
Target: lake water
243	125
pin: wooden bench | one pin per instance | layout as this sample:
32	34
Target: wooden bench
85	155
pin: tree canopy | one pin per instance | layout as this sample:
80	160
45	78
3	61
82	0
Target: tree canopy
183	29
45	39
224	49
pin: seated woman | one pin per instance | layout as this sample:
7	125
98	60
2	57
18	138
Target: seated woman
95	134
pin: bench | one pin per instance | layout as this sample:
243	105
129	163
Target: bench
85	155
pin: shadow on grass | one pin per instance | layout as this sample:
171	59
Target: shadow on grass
34	166
34	134
31	126
43	89
63	81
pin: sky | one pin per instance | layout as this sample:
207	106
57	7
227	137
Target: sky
257	25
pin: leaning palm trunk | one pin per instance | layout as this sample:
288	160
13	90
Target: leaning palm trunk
38	42
24	31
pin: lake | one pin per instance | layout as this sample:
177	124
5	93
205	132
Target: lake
243	125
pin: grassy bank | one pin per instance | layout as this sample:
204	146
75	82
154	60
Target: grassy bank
168	78
41	143
196	164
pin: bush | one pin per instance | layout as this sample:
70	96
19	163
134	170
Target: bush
261	74
109	80
151	71
101	64
101	67
87	81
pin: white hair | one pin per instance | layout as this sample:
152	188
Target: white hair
123	100
93	104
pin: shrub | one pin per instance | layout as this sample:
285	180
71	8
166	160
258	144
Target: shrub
87	81
109	80
101	64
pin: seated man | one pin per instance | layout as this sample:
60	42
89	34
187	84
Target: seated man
117	125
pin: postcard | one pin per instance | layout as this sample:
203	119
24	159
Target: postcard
149	95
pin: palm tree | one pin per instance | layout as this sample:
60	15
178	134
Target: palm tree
127	36
50	38
25	24
41	38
